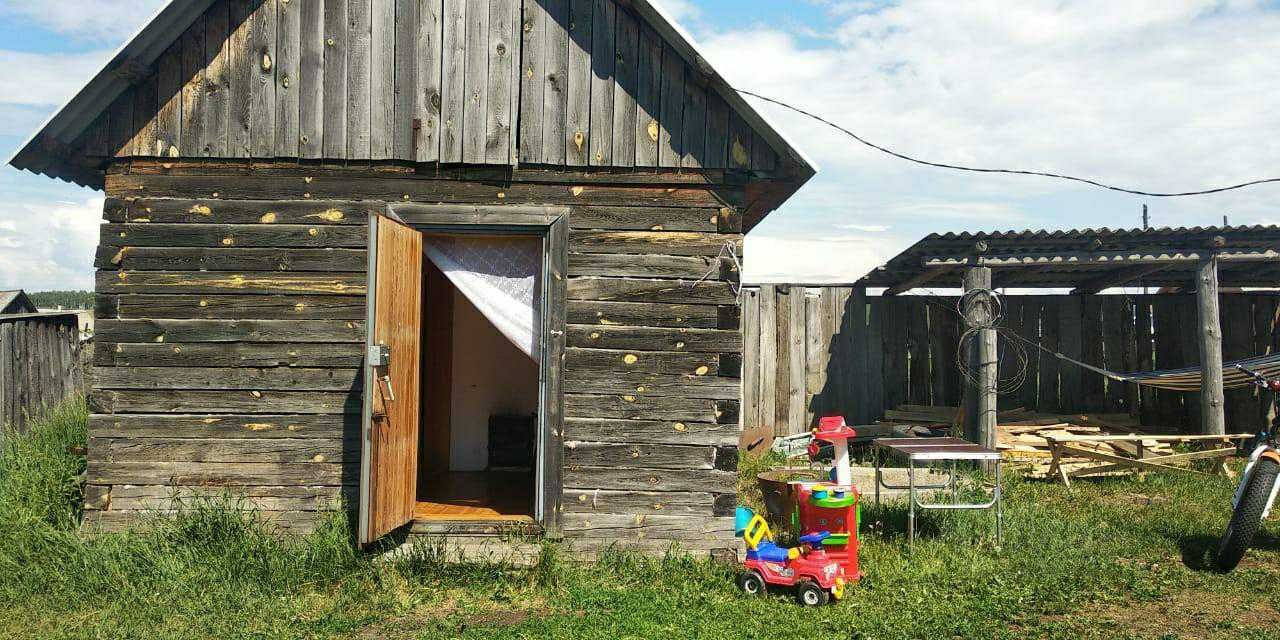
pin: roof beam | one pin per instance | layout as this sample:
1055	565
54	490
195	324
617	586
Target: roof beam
920	279
1117	278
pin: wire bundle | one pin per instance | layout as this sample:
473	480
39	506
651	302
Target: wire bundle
982	310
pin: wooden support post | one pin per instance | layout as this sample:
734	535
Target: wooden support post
980	394
1212	419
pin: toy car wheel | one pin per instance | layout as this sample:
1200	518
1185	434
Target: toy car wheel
810	594
752	583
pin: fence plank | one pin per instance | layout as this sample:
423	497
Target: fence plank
782	378
750	358
796	422
768	353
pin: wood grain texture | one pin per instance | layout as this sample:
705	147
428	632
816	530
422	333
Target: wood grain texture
427	102
263	117
475	106
311	78
359	77
382	80
533	80
453	80
392	443
243	70
578	85
603	67
557	76
288	78
335	78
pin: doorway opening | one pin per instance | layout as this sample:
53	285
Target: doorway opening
481	378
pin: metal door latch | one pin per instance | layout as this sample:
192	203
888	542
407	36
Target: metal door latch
379	355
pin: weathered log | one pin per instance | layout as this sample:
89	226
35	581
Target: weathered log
638	290
654	339
200	426
215	282
647	456
238	307
278	378
230	354
652	408
637	314
304	450
232	235
224	473
653	384
213	211
238	402
230	331
116	256
650	431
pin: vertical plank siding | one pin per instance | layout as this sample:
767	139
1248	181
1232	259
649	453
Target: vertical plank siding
39	365
497	82
863	355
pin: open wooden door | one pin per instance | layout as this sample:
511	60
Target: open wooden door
389	457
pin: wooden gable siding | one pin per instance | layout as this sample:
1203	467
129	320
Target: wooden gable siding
497	82
231	323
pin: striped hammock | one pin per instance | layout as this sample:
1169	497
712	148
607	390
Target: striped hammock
1188	379
1185	379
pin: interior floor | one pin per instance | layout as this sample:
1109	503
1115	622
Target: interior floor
476	495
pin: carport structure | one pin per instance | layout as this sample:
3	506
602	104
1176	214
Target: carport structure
1209	260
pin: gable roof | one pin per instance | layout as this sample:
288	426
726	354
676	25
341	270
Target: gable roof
78	141
15	301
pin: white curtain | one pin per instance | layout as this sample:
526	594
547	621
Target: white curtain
500	276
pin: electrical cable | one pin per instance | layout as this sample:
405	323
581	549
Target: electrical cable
1020	172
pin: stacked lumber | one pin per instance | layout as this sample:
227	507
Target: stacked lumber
1073	445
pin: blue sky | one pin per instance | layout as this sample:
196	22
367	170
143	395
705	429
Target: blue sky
1157	94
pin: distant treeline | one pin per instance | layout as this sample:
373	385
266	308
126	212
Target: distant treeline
64	299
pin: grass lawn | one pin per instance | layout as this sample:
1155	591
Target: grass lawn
1114	559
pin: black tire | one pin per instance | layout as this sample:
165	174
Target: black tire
752	583
1247	517
809	594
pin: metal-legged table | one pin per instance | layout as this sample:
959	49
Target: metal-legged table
928	450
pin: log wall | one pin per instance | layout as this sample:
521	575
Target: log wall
814	351
39	365
231	306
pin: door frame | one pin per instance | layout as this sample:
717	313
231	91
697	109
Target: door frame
551	224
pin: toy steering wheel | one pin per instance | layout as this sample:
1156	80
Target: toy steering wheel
815	539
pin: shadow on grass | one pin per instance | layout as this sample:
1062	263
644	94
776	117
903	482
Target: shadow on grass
890	519
1198	550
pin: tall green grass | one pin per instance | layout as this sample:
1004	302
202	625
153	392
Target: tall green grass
214	570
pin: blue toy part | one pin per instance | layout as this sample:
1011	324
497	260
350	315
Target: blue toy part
769	551
741	517
815	539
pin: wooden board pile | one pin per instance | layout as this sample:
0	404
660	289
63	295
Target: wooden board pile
1087	444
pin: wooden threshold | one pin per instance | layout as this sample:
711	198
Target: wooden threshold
428	511
476	496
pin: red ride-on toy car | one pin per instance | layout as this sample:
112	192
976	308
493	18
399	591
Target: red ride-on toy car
816	576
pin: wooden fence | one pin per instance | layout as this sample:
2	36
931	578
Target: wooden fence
39	364
813	351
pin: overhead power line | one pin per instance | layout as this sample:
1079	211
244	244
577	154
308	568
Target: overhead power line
1019	172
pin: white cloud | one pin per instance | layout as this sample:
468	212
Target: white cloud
682	11
96	20
48	245
1155	94
45	79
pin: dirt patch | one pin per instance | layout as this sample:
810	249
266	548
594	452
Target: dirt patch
1188	614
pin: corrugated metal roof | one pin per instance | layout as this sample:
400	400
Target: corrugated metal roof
1085	257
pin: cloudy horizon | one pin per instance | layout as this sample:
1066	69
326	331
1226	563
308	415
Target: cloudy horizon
1154	95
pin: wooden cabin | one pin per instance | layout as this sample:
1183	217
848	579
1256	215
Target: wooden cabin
274	317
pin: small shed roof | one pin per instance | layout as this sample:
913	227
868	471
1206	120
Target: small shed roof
1086	260
16	301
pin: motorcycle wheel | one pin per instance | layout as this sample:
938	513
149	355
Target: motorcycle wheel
1247	517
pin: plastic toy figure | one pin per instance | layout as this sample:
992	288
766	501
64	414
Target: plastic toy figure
816	577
